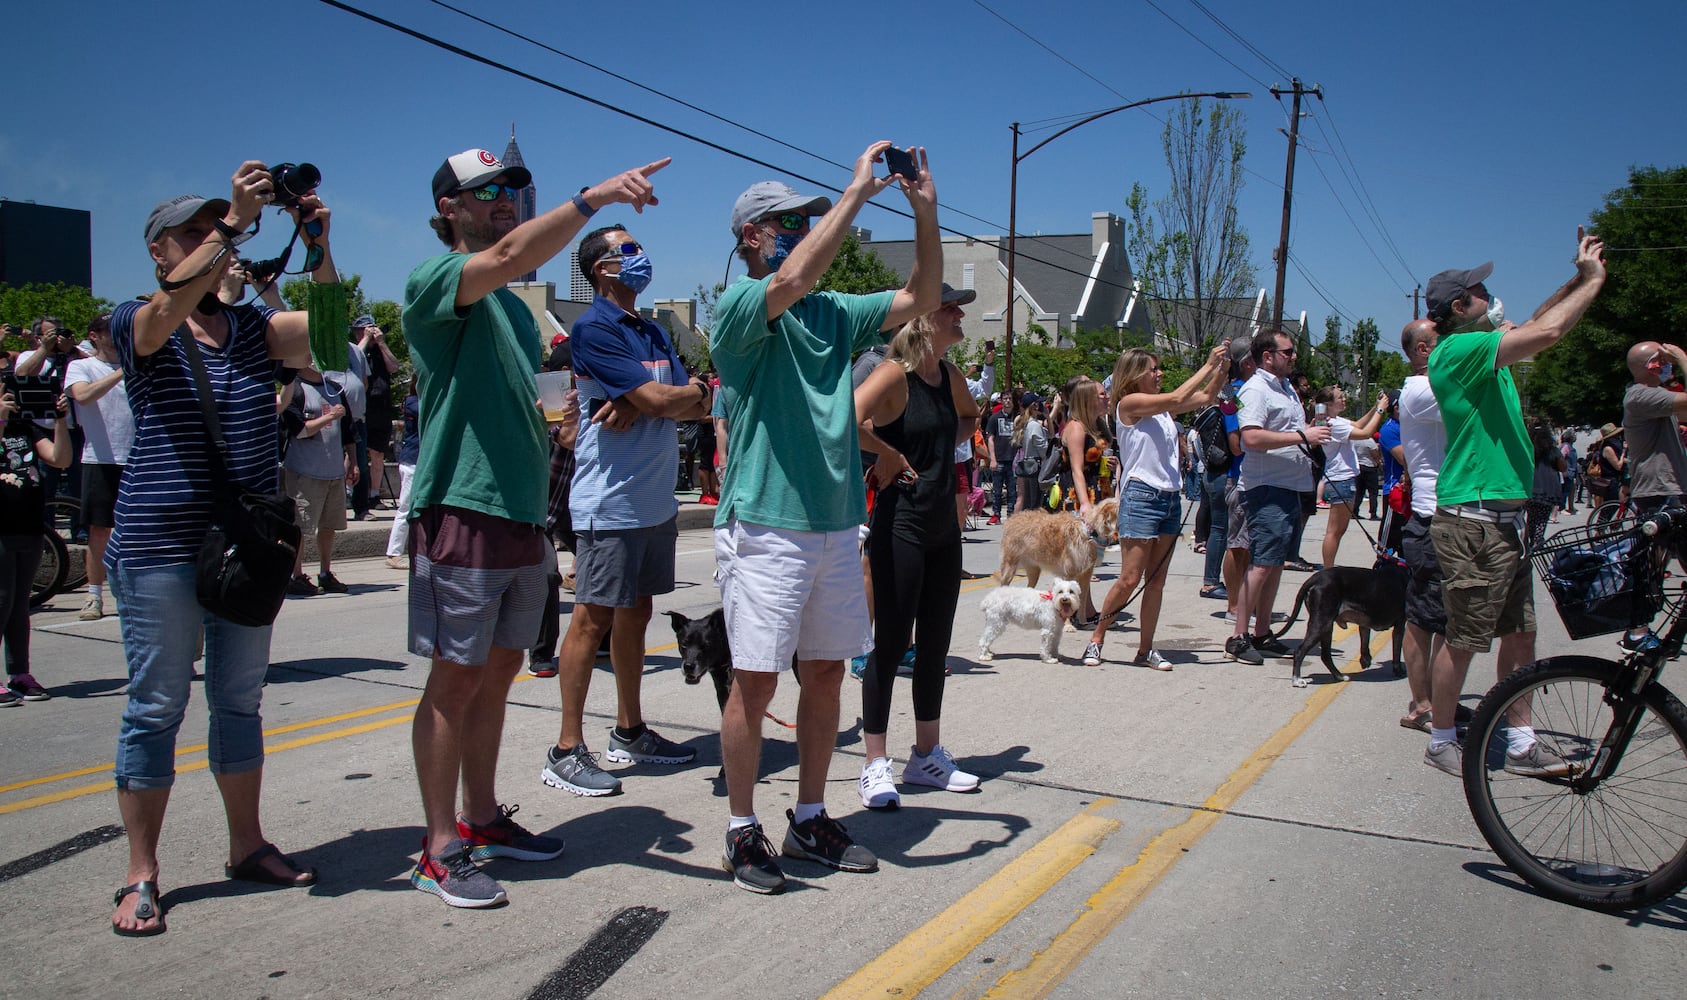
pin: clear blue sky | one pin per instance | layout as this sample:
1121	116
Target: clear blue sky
1480	131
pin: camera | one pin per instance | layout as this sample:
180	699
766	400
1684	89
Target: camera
259	272
292	181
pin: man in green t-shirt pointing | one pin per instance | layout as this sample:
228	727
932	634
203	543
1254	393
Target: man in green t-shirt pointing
1487	475
791	500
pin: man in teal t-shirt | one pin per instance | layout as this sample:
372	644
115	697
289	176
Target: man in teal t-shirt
478	547
1486	476
791	496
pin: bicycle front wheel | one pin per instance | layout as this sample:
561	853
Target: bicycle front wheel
1618	846
63	513
49	575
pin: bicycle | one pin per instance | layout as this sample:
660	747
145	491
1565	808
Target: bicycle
64	561
1611	833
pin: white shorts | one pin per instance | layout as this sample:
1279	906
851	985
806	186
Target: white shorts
791	592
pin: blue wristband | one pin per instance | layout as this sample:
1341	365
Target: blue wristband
579	202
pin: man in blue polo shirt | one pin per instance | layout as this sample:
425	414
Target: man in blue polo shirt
622	502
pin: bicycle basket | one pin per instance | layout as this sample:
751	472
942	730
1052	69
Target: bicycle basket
1603	578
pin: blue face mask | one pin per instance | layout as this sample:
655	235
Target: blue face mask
635	271
783	244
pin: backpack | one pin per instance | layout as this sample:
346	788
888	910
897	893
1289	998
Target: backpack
1215	443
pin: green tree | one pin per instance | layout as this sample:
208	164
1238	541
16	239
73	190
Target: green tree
1189	247
1362	349
698	358
1389	372
857	271
1582	379
73	304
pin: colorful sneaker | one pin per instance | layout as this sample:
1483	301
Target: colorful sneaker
577	771
878	788
1537	762
454	878
92	611
858	666
824	839
649	748
1645	642
994	519
905	668
542	668
1448	757
26	687
330	584
1240	649
937	769
505	838
749	860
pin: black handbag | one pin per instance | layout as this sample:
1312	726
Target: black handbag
246	559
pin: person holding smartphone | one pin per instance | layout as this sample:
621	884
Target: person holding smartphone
24	448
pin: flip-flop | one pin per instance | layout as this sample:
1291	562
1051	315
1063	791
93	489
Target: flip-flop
1420	722
252	869
146	908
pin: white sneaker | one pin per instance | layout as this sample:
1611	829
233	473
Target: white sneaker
93	611
878	788
937	769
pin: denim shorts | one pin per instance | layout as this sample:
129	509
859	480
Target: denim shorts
1145	512
161	623
1273	513
1340	491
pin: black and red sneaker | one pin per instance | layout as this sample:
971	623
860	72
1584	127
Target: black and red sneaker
825	840
505	838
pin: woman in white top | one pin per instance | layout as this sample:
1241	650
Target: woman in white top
1341	462
1150	508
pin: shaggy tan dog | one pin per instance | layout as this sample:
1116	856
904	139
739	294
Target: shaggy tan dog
1035	540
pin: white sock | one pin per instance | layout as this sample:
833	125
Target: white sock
806	811
1519	739
96	590
734	822
1440	737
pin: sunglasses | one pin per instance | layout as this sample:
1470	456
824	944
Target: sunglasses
1291	352
623	249
490	192
791	222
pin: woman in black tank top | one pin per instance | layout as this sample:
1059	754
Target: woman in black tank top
913	409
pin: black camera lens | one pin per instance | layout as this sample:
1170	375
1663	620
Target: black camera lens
293	181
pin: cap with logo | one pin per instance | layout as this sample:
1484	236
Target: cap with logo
470	169
173	212
767	198
1442	289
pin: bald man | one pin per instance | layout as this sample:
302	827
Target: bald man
1651	422
1423	446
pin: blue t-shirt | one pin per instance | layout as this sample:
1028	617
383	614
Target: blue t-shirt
792	448
1232	425
622	479
164	497
411	446
1388	438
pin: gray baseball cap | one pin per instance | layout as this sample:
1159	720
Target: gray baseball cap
175	211
1442	289
767	198
362	321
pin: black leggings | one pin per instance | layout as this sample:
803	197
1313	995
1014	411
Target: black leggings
20	557
915	590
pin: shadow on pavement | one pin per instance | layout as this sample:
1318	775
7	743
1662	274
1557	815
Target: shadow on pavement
297	671
1671	914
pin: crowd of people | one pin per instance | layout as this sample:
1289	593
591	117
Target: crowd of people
814	570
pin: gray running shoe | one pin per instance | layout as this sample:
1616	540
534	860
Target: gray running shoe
650	748
454	878
577	772
825	840
1448	757
749	859
1240	649
1537	762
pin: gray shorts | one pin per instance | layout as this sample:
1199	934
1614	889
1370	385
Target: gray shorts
613	569
1236	531
476	581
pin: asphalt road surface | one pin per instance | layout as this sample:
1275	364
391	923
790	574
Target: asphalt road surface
1209	832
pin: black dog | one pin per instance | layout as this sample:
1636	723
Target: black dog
1373	599
703	649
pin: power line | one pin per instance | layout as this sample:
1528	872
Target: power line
1209	48
1362	191
1270	63
1354	223
1108	87
1323	293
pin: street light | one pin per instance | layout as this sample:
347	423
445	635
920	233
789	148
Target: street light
1013	194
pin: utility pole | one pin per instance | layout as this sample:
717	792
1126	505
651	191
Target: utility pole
1282	253
1416	293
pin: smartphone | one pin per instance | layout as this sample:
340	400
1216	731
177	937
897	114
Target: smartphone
900	161
36	396
989	345
594	406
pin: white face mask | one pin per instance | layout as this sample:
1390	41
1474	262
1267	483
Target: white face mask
1496	313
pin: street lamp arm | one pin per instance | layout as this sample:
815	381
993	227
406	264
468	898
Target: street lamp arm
1222	95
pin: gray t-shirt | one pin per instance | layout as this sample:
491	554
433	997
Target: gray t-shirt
1657	463
320	455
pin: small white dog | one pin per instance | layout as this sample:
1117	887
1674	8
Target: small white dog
1046	610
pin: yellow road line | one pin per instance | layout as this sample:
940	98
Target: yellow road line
199	765
1113	901
916	961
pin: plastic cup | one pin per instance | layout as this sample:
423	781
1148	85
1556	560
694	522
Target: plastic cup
553	388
